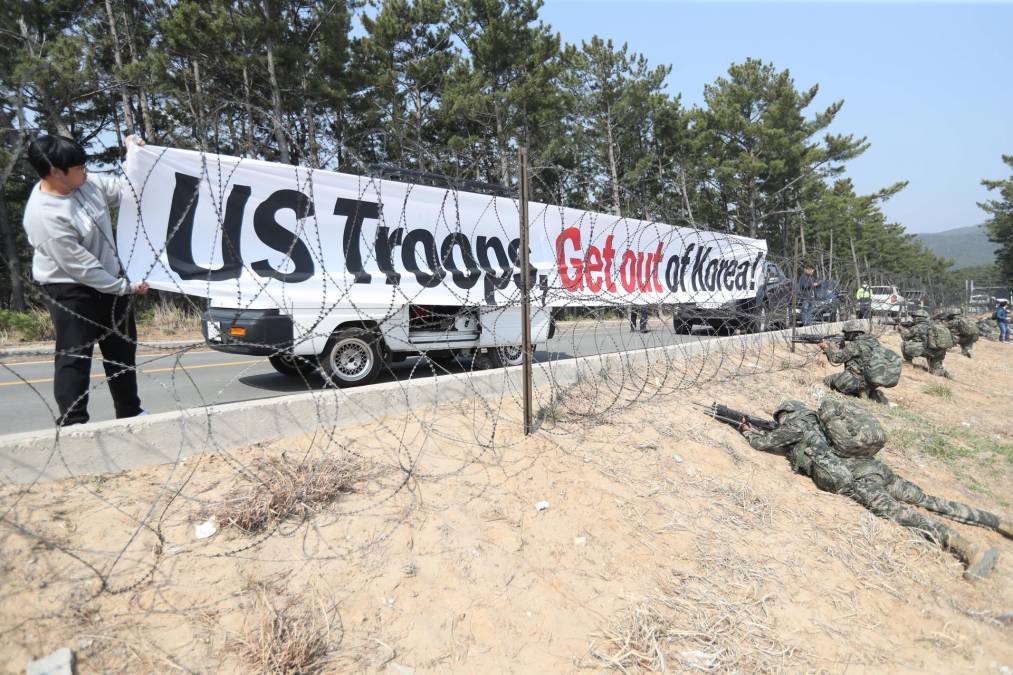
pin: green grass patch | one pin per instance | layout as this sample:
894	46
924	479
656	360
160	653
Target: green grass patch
32	325
939	391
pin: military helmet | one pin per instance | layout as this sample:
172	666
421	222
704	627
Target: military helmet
789	406
919	314
954	311
854	326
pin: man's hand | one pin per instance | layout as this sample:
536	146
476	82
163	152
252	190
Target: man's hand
134	140
823	345
139	287
744	425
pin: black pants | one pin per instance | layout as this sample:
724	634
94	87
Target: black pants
641	313
83	316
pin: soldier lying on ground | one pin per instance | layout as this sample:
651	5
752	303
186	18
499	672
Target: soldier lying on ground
874	485
868	365
927	338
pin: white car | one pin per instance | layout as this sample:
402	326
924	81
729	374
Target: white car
887	300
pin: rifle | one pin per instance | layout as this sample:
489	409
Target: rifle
734	418
811	339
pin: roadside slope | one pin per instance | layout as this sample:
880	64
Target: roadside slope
666	543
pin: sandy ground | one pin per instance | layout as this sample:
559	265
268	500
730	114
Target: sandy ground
666	542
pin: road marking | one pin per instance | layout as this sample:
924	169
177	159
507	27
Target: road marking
146	371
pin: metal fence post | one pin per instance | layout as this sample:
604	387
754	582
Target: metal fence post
525	291
794	296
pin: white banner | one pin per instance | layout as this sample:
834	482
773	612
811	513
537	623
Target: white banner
248	233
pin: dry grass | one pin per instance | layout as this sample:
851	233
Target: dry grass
286	641
169	319
696	623
283	489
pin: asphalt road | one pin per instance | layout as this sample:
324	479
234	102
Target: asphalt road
193	379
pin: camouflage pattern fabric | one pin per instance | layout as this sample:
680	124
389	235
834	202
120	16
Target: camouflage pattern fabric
966	333
986	329
851	429
866	480
801	438
915	341
869	364
886	494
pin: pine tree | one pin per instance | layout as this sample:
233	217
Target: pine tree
1000	222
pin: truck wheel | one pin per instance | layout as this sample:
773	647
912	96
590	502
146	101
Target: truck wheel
681	326
289	364
510	355
352	358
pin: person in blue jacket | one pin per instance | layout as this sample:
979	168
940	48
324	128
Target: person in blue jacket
1002	318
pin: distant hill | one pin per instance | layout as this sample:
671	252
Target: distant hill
965	246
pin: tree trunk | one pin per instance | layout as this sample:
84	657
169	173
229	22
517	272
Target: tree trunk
128	116
613	170
10	242
504	170
199	106
854	258
142	94
276	115
311	126
420	161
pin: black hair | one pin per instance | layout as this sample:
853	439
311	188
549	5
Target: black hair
55	152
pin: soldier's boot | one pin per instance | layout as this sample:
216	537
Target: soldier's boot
965	351
878	396
941	372
979	560
1005	527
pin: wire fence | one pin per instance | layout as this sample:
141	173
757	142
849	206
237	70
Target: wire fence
336	284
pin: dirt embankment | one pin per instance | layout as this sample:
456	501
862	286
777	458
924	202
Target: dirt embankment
662	541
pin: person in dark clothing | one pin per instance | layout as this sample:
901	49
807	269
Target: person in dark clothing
641	313
807	285
75	263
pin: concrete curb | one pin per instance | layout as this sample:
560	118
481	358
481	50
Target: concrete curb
49	350
116	445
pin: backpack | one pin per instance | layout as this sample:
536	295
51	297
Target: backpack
966	328
851	429
939	336
884	368
881	366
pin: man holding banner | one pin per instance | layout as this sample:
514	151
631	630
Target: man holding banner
75	263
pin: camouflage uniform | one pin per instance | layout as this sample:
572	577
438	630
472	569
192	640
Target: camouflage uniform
955	322
914	344
986	329
874	485
858	353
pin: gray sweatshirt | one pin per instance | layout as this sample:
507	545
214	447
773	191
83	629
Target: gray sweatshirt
72	236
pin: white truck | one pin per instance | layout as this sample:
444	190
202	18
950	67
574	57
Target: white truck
350	344
342	273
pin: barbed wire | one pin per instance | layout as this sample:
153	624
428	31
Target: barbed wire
627	341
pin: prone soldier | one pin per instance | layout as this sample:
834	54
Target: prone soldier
868	481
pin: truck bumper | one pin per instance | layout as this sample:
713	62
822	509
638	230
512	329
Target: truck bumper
257	332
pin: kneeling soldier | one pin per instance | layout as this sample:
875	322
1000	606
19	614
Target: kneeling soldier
927	338
868	365
964	330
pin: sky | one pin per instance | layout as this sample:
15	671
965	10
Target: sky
929	84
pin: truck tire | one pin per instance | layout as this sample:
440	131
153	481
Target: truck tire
291	365
681	326
510	355
351	359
